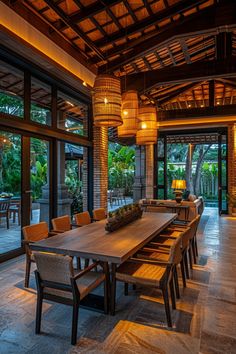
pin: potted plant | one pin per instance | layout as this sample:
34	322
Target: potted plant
232	203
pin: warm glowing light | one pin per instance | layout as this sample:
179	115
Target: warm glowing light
84	83
218	102
189	105
125	113
4	140
201	105
144	125
69	103
105	100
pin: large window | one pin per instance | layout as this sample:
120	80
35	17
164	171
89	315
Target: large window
11	90
72	115
41	97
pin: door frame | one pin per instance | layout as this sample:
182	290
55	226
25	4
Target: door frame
163	135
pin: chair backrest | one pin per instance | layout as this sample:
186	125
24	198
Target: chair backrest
54	268
35	232
4	205
62	223
99	214
175	252
82	219
193	225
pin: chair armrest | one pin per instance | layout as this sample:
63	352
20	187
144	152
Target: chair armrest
159	244
86	270
147	261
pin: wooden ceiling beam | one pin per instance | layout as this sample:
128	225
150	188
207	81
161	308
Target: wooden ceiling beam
186	114
198	71
139	26
209	23
176	93
74	27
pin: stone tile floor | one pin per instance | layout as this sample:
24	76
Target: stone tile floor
204	322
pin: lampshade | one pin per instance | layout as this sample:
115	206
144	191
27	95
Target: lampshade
178	184
129	113
107	101
147	126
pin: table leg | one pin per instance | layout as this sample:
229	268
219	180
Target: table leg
113	289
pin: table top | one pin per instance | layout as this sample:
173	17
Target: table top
166	205
92	241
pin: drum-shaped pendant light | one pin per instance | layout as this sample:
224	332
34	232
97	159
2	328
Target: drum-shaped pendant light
107	101
129	114
147	126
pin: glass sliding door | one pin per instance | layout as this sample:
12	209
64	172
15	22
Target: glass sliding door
10	191
39	181
222	173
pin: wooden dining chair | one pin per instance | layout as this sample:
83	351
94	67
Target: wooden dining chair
99	214
149	272
57	282
82	219
4	210
33	233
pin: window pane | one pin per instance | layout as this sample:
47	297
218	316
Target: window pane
160	175
39	174
72	115
160	194
10	191
72	179
160	147
11	90
40	110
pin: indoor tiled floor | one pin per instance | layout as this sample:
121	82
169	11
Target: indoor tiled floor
204	322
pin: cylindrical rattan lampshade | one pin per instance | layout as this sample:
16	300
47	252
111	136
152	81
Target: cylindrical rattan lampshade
147	126
107	101
129	113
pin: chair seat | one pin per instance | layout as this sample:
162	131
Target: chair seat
146	274
164	241
85	285
164	257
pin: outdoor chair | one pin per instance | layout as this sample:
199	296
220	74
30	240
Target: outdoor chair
82	219
33	233
15	210
147	271
57	282
4	210
99	214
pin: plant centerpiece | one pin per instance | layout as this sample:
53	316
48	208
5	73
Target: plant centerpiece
123	216
232	203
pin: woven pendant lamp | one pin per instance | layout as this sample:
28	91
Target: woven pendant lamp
147	126
129	113
107	101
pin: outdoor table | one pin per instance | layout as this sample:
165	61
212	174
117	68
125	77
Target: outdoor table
93	242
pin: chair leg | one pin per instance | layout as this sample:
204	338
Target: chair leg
134	286
75	317
167	305
7	221
172	294
38	313
190	256
186	265
78	263
192	246
183	273
106	288
27	272
113	288
195	243
126	289
86	262
176	282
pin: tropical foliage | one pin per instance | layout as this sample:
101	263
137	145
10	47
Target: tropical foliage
121	164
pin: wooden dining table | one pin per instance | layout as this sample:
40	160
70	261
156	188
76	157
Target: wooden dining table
94	242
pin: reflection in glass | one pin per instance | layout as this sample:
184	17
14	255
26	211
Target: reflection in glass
40	110
72	115
11	90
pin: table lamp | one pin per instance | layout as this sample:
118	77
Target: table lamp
178	185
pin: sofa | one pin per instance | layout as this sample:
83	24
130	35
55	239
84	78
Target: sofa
158	205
